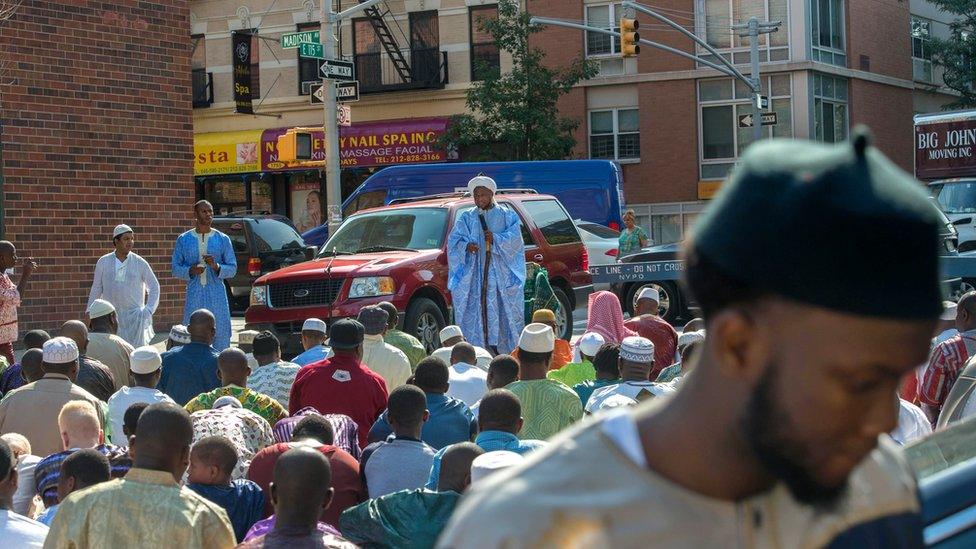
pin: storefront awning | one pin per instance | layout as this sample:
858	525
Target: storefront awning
227	152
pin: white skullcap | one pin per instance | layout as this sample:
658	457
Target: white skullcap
637	349
482	181
179	334
492	462
948	311
537	338
145	360
59	350
688	338
121	230
246	337
649	293
447	332
99	308
590	343
314	325
227	400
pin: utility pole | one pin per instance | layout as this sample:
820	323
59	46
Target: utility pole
752	29
333	196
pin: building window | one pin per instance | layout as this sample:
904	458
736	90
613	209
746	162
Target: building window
308	69
202	80
921	49
366	54
604	17
829	108
425	40
827	19
485	61
615	134
669	222
720	15
722	103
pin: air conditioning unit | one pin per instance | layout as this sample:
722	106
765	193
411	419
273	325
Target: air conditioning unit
307	86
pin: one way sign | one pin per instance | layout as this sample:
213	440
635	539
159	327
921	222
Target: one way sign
768	119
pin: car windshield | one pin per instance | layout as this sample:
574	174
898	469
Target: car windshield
404	228
958	197
599	230
272	235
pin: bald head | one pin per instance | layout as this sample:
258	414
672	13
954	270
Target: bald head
302	485
966	312
162	440
456	467
31	365
463	352
202	327
77	331
232	367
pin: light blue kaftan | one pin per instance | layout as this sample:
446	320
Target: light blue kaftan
213	295
506	278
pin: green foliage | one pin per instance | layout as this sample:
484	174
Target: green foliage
957	54
513	116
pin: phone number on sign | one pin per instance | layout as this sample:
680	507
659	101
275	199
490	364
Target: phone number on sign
395	159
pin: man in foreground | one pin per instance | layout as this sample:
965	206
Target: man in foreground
799	376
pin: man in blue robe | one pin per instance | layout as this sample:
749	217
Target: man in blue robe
204	257
504	296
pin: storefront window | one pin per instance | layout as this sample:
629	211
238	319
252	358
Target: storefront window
227	195
261	197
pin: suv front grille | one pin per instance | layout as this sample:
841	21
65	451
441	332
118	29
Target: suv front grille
304	294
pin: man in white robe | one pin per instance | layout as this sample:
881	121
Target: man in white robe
123	278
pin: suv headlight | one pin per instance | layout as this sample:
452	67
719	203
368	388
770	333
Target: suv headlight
259	295
371	286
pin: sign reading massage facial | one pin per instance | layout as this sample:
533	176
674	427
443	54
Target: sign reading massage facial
407	141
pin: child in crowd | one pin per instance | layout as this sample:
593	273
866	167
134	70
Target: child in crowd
212	460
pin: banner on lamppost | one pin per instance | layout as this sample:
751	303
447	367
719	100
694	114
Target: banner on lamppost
241	53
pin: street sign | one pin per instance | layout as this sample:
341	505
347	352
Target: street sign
347	92
338	69
344	115
308	49
291	40
317	94
768	119
762	101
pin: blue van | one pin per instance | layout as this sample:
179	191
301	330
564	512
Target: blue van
591	190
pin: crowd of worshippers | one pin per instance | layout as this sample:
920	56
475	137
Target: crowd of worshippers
374	432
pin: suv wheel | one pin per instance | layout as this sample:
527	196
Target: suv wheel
564	318
424	321
669	305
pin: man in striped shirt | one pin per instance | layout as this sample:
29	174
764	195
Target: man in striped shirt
949	357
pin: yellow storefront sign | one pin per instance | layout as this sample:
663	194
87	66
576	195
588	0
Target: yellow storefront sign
227	152
707	189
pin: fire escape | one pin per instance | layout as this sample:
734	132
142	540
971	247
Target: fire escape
397	68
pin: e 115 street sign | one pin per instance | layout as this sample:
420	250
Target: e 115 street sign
291	40
768	119
337	69
308	49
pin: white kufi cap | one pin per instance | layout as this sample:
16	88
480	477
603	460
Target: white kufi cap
121	230
649	293
492	462
313	325
99	308
227	400
179	334
537	338
590	343
145	360
687	338
447	332
482	181
637	349
60	350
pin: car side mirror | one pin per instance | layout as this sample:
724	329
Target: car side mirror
310	252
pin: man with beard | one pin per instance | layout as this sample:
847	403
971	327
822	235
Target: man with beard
778	437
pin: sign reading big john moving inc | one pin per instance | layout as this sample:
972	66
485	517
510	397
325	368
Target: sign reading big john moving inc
945	147
381	143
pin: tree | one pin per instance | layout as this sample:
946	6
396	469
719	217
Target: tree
513	116
957	55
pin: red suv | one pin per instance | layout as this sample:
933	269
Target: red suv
397	253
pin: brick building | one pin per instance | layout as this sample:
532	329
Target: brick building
673	125
97	130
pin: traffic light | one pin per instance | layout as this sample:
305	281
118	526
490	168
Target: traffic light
629	37
295	145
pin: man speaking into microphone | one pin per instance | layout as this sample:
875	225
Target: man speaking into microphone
486	261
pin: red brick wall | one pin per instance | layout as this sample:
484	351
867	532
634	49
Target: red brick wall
879	30
887	110
668	171
97	130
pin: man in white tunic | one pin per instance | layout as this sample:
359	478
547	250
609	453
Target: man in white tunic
123	278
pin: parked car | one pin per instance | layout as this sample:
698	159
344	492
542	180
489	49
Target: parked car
397	253
601	245
957	199
262	243
588	189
